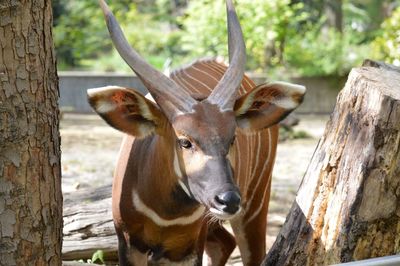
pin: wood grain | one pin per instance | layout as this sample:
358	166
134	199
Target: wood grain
348	204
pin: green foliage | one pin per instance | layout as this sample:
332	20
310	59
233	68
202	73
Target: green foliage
323	51
282	36
288	133
314	52
387	45
266	24
98	256
82	40
79	32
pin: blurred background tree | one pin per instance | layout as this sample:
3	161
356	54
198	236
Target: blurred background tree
289	37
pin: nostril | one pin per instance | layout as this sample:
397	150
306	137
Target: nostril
220	199
230	200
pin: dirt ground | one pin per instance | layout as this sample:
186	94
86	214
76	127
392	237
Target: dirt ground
90	148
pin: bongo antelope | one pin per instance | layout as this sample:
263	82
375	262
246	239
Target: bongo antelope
201	152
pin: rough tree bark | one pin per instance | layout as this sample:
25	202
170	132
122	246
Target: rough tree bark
30	173
348	205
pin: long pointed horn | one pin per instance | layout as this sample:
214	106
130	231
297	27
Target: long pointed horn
224	94
168	95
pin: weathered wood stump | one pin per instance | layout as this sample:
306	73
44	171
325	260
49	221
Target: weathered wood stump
348	204
88	225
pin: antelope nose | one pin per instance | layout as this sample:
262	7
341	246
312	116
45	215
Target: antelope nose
229	200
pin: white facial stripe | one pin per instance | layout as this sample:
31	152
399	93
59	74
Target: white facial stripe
184	187
179	173
177	168
197	163
152	215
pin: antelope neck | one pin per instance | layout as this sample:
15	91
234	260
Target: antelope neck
161	191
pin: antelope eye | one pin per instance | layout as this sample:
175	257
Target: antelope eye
185	143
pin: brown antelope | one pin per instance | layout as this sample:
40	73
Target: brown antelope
201	153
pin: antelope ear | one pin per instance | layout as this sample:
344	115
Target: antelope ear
127	110
267	104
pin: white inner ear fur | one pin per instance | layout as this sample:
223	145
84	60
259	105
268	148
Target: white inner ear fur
288	89
103	105
101	90
144	109
246	105
286	101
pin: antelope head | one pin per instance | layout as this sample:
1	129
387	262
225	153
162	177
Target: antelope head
203	130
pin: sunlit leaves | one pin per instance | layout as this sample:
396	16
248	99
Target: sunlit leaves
387	45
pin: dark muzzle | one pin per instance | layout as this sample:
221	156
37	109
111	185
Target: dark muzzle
229	201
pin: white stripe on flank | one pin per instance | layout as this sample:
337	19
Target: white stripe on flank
179	80
184	81
205	73
255	213
210	67
247	80
195	79
238	162
222	71
248	163
258	144
141	207
260	205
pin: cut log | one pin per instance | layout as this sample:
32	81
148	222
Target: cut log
348	204
88	225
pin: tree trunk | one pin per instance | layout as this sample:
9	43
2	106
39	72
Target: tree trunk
334	14
30	173
348	204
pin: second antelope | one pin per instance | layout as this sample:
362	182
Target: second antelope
201	152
